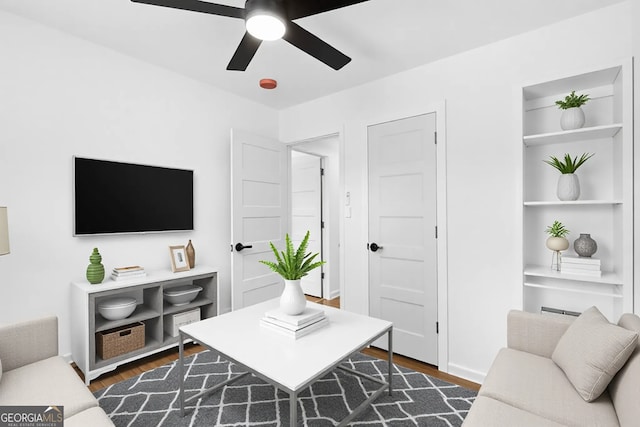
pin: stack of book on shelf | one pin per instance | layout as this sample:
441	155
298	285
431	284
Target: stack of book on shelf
297	326
124	273
580	265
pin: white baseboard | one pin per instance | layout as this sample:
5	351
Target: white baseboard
67	358
466	373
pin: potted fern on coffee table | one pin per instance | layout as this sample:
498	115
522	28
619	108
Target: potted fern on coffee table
293	264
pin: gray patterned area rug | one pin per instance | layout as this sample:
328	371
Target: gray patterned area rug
151	399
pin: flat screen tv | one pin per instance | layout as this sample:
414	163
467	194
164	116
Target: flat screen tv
113	197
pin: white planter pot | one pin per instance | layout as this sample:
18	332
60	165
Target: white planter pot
557	243
292	300
572	118
568	187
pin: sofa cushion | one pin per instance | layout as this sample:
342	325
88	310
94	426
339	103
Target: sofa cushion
27	342
488	412
93	417
592	351
625	386
50	381
535	384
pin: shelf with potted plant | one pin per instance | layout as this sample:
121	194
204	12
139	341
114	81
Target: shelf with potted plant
608	277
600	203
574	135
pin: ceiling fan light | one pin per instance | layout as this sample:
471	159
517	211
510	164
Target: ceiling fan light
265	26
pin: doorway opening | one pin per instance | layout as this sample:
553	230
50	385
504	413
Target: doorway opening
315	204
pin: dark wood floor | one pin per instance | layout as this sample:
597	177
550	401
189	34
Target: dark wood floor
138	367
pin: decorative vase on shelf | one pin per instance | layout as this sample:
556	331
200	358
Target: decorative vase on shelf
191	254
292	300
95	270
568	187
572	118
585	246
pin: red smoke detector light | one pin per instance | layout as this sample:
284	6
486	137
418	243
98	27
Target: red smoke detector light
268	84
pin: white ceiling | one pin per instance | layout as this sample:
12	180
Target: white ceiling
382	37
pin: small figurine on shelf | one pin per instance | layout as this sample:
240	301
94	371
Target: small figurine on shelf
557	242
95	270
191	255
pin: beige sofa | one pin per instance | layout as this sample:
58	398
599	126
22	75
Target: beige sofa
32	374
553	368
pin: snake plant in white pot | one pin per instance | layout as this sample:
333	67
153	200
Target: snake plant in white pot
293	264
568	183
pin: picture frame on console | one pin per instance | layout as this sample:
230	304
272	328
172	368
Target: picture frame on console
178	258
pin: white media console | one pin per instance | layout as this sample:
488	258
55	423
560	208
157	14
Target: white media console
151	310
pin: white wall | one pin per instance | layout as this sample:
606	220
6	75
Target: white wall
61	96
483	115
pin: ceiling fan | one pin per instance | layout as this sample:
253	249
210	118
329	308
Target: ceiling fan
271	20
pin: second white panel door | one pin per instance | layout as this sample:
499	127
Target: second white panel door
402	233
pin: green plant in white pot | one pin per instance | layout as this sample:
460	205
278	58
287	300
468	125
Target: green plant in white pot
568	183
293	264
572	115
557	242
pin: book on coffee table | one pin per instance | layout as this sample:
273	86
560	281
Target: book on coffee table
294	333
309	315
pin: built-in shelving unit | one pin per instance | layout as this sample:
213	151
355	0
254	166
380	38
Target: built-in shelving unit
151	309
604	208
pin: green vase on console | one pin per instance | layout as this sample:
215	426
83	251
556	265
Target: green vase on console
95	270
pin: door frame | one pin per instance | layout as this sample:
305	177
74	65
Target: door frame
441	215
341	184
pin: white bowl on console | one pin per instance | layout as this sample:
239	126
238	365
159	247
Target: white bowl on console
117	308
181	295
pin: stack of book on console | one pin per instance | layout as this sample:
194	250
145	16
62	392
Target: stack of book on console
298	326
124	273
580	265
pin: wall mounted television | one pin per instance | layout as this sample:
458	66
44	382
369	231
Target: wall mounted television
117	198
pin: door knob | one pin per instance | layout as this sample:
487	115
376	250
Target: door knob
240	246
374	247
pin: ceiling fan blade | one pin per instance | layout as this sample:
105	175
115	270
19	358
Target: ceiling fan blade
304	40
198	6
300	9
244	53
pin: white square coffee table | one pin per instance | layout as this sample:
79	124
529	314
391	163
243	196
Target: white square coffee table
288	364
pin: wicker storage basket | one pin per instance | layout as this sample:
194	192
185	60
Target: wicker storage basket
117	341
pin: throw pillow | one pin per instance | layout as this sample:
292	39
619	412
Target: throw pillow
591	351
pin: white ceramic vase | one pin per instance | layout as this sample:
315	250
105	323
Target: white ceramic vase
292	300
568	187
572	118
557	243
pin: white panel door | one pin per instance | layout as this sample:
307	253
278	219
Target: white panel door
402	241
259	215
306	212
